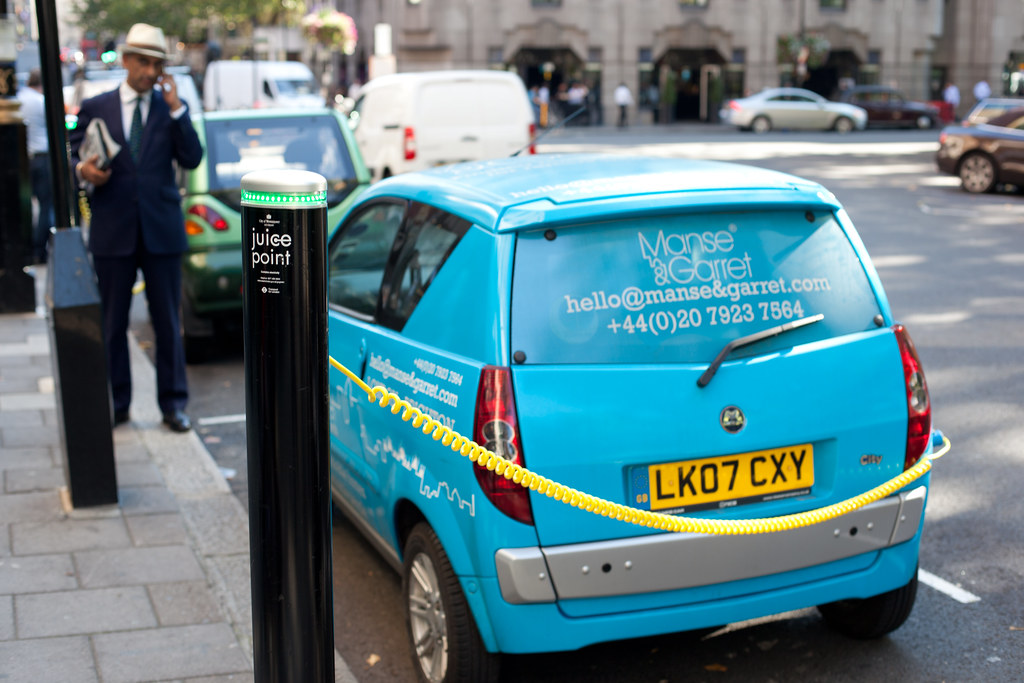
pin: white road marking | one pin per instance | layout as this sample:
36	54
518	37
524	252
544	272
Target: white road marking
221	420
943	586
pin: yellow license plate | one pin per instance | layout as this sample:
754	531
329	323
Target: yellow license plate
726	480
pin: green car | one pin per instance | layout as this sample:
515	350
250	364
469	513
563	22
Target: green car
237	142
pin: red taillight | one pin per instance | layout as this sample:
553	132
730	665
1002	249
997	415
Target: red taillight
734	105
409	144
210	216
533	134
495	428
942	138
919	407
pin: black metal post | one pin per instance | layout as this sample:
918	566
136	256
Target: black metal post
284	216
17	288
73	310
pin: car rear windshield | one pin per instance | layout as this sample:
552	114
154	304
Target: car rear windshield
679	288
302	142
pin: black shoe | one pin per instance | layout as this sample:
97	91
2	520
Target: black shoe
177	421
120	417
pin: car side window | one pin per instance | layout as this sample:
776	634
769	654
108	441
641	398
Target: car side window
427	238
359	254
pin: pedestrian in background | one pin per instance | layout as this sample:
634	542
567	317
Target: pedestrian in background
624	100
136	216
33	112
951	96
981	90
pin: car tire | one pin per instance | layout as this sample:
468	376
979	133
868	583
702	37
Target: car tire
925	122
761	124
977	173
870	618
445	643
843	125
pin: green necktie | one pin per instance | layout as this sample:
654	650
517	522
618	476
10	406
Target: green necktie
135	136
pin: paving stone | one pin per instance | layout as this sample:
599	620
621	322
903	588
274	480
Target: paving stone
36	574
25	437
27	402
178	604
230	678
169	653
30	507
83	611
165	529
146	500
68	660
34	479
215	523
21	418
68	535
30	457
6	617
5	540
138	474
136	566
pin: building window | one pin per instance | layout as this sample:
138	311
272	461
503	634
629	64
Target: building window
546	3
833	4
693	3
496	55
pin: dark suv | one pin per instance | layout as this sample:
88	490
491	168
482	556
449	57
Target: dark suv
887	107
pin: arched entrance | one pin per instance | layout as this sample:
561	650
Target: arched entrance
840	65
688	86
556	67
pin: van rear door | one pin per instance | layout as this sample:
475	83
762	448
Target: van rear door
470	119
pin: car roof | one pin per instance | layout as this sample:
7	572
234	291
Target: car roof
518	192
268	113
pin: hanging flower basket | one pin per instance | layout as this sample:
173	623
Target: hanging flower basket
810	50
333	29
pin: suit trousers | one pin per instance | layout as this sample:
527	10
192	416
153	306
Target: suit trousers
162	272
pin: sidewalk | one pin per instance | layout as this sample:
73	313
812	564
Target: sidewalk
153	589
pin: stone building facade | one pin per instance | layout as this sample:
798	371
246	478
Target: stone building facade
696	53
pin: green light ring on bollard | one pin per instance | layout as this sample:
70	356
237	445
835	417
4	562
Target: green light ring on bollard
657	520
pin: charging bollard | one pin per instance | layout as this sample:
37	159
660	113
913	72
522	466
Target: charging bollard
284	216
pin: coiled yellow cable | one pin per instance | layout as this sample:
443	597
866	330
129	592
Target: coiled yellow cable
584	501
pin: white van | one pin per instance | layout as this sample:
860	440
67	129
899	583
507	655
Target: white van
412	121
242	84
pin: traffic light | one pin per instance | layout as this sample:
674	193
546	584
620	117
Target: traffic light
109	54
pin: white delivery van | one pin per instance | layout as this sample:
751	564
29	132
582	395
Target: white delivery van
412	121
243	84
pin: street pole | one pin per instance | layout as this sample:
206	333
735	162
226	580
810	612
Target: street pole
284	278
77	346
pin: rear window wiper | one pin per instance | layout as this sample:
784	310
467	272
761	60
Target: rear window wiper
750	339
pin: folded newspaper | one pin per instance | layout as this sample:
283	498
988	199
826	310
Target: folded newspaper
98	142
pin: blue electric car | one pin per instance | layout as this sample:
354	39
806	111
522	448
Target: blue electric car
684	337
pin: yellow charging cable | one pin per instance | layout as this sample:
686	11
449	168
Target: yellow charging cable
658	520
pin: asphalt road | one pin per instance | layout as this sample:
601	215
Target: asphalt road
953	267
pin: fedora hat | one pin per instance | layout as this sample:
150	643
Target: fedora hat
144	39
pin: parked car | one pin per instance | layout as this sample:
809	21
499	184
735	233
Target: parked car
888	108
991	107
792	108
684	337
985	155
412	121
237	142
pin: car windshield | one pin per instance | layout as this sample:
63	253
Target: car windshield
679	288
295	86
301	142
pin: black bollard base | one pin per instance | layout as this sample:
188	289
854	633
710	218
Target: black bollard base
80	372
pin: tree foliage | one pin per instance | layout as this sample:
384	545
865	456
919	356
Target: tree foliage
188	20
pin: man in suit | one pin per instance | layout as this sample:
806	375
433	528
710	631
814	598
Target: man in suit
137	221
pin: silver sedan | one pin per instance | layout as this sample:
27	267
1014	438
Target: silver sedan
792	108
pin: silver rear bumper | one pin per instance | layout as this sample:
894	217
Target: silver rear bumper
672	561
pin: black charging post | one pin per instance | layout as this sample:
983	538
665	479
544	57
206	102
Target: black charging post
284	216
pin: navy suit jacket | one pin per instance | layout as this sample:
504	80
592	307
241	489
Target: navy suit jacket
143	198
